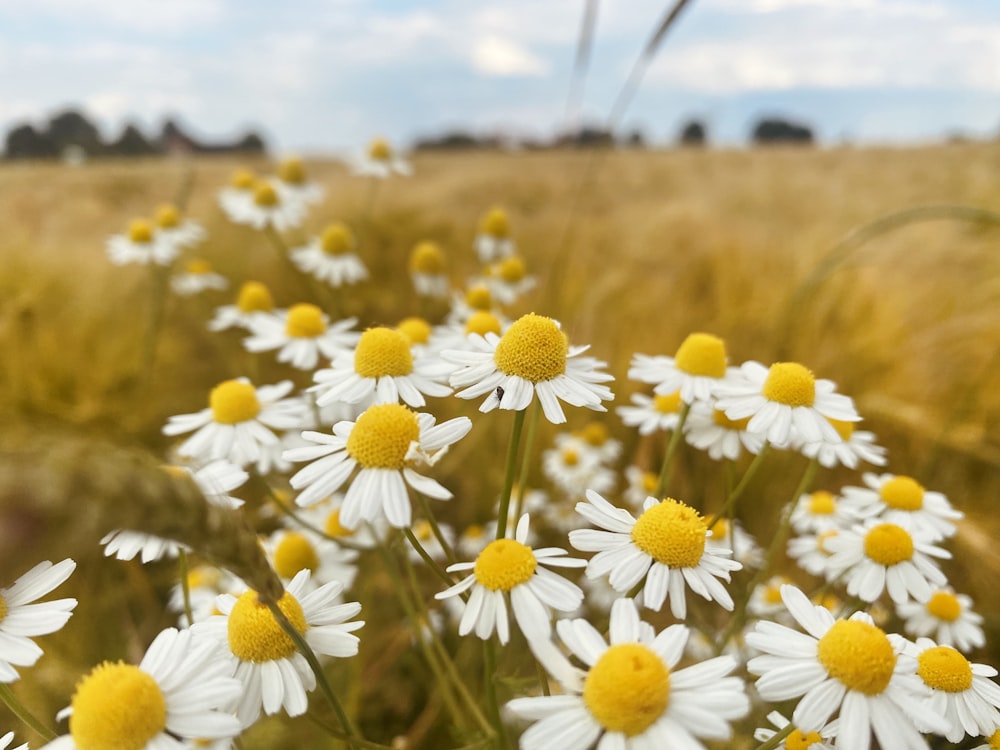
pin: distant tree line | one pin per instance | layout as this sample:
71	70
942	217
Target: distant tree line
69	134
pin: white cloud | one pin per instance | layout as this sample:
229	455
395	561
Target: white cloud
496	56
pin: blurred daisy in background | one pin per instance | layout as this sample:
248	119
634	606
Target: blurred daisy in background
266	207
331	257
946	617
574	471
140	245
198	276
593	438
429	270
204	584
798	740
652	413
236	198
694	372
853	447
291	551
641	484
293	183
894	498
493	241
174	231
812	553
707	428
476	298
821	510
381	161
508	280
253	300
301	335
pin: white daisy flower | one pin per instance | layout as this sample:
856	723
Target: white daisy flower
253	300
962	692
785	401
728	535
266	207
174	230
630	694
380	369
594	438
180	690
510	569
331	257
890	557
707	428
574	471
384	443
473	540
123	544
846	666
666	547
695	371
273	673
291	551
493	242
893	497
204	583
821	510
239	423
237	197
429	271
197	277
508	280
812	553
381	162
325	516
532	357
765	601
294	184
22	616
141	246
641	484
476	298
424	533
652	413
301	335
7	739
852	447
798	740
946	617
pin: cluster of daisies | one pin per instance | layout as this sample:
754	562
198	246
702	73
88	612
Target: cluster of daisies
350	461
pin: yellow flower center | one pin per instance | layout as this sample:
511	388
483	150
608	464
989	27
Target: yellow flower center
859	655
649	482
478	297
382	436
292	171
772	593
334	527
243	179
672	533
944	606
595	434
570	457
844	429
668	404
383	352
379	150
427	258
888	544
512	269
628	688
902	493
294	553
822	538
254	297
264	195
116	707
995	740
720	418
254	634
791	384
422	530
719	530
416	330
799	741
533	348
233	401
496	223
336	240
198	266
474	531
944	668
822	503
482	322
3	608
203	577
140	232
504	564
305	321
702	354
167	217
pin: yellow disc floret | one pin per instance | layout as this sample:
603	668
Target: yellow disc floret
944	606
512	269
292	171
168	217
720	418
305	321
702	354
533	348
382	435
140	232
570	457
254	297
333	527
3	608
294	553
116	707
628	689
416	330
198	266
995	740
791	384
495	223
822	503
902	493
383	352
799	741
672	533
478	297
504	564
844	429
944	668
233	401
254	634
427	258
482	322
859	655
337	239
243	179
668	404
595	434
379	150
888	544
264	194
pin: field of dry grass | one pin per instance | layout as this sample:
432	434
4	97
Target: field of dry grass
633	251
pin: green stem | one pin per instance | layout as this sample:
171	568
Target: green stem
158	305
449	553
778	738
490	683
425	555
22	712
337	734
741	486
675	440
182	564
529	447
508	482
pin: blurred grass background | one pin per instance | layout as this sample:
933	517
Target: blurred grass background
633	250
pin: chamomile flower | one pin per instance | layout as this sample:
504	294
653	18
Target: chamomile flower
253	300
493	241
266	207
380	369
881	556
765	601
301	335
665	547
291	551
123	544
22	616
962	692
197	277
476	298
946	617
574	471
331	257
140	245
429	271
174	230
821	510
294	184
641	484
785	401
630	694
385	443
812	553
508	280
593	438
239	423
273	673
798	740
381	162
694	372
707	428
728	535
852	447
204	583
7	739
652	413
510	569
325	515
424	534
238	196
842	666
181	690
532	357
893	497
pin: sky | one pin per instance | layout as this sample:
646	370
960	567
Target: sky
324	76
